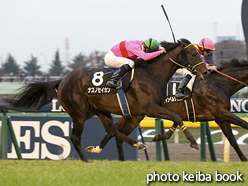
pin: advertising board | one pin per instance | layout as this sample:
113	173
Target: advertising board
49	138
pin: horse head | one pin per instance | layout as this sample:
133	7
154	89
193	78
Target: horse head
191	58
188	57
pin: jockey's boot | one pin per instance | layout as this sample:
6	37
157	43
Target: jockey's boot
180	91
113	82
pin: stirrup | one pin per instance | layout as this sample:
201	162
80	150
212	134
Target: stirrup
111	84
181	96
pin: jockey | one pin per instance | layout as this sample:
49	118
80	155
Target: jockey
204	47
122	55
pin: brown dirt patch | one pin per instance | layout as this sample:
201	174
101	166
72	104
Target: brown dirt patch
183	152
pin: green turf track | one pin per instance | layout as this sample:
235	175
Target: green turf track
109	173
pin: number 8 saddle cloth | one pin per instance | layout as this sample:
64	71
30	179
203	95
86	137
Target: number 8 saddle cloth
99	77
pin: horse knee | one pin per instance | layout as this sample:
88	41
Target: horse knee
178	121
112	132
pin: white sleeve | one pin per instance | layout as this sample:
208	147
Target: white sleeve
183	71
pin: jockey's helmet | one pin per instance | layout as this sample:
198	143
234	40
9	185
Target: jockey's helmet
151	44
206	43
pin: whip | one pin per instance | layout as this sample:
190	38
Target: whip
168	22
230	77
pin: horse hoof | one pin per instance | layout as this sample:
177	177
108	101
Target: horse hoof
93	150
89	149
156	138
194	146
142	146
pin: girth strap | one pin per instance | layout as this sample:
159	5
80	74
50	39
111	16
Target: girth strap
123	102
189	104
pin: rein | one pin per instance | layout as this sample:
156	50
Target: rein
190	68
231	77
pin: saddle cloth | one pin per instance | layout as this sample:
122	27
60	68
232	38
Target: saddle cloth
189	104
99	77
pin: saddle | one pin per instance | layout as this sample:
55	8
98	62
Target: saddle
189	104
99	77
97	85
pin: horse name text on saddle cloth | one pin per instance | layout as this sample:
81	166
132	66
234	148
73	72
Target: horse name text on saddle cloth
97	90
96	85
171	99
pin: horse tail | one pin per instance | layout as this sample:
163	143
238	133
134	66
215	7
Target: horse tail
34	95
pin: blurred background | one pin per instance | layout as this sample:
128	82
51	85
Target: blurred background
46	40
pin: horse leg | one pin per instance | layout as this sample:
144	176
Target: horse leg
189	136
227	130
232	118
157	111
127	126
99	148
105	140
111	129
107	120
119	143
77	107
78	125
169	133
108	136
78	118
186	132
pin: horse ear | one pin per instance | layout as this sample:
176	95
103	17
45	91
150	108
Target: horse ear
179	41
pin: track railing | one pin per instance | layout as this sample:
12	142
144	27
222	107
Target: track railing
6	124
205	131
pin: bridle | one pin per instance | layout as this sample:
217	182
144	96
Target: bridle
189	67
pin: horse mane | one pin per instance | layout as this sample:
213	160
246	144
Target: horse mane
141	62
232	64
168	47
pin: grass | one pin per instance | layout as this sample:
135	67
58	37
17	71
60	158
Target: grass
7	88
131	173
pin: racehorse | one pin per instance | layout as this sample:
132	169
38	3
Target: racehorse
145	94
212	102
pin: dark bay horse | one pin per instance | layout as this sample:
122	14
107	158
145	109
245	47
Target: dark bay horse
145	94
211	101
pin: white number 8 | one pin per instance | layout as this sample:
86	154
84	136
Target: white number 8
97	78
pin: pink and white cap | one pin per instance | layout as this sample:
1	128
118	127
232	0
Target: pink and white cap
206	43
